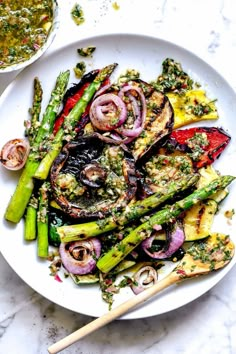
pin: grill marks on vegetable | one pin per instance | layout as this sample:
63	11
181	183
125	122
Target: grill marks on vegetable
203	144
110	184
96	175
161	170
159	122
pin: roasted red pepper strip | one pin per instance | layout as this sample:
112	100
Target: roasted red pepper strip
71	101
72	96
217	140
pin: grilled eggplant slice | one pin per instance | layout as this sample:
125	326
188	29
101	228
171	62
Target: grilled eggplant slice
92	177
159	122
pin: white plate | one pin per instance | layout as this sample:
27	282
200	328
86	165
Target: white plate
130	51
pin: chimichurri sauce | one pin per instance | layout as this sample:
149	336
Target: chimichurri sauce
24	27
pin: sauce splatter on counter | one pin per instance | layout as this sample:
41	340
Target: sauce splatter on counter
77	14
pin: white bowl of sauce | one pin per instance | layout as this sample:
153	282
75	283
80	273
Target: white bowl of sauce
27	29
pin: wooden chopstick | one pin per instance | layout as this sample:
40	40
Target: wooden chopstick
112	315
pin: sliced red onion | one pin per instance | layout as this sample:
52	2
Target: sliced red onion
116	137
157	227
79	257
140	117
108	112
102	90
175	239
131	133
141	284
14	154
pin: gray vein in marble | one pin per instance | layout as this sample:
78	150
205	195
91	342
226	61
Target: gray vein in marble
160	12
32	299
215	42
4	325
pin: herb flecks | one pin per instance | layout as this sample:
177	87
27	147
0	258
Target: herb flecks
80	69
86	51
215	249
77	14
173	78
197	144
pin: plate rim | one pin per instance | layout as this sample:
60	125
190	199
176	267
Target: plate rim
46	57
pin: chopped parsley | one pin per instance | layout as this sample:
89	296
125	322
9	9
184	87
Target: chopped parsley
197	144
86	51
80	69
199	109
173	78
77	14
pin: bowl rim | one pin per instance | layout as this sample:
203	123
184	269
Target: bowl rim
42	50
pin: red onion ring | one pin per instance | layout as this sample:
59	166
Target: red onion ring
102	110
157	227
14	154
79	257
175	240
142	284
102	90
140	117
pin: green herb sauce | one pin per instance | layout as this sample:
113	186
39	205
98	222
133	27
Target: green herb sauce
24	28
173	78
77	14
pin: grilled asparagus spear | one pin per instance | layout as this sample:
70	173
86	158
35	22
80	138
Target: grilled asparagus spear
32	126
30	231
168	214
42	221
67	131
94	228
25	186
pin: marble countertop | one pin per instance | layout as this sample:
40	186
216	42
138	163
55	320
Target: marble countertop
30	323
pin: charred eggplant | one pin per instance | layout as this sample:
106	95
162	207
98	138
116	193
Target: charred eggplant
162	170
158	123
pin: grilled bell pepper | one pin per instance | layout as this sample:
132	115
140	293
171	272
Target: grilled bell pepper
204	144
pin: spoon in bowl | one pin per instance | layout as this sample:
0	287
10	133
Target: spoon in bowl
203	257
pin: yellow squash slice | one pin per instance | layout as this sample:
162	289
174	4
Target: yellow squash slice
192	106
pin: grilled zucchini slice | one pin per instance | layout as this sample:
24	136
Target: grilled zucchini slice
198	220
85	279
208	174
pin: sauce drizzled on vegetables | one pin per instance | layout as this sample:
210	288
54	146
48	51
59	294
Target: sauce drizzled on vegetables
24	28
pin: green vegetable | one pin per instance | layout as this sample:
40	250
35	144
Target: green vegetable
67	131
32	126
56	219
30	231
168	214
42	221
25	186
85	279
132	212
86	52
